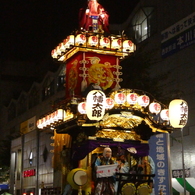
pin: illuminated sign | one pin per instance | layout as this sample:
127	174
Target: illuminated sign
29	173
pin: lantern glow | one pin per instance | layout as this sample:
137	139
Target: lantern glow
178	113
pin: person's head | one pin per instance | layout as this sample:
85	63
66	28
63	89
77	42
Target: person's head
107	153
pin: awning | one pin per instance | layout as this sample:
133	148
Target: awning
178	186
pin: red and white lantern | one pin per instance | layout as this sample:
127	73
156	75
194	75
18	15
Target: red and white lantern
93	41
120	98
155	108
82	108
105	42
143	100
164	115
109	104
80	39
128	46
132	98
116	44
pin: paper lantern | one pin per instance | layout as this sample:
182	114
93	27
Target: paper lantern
128	46
70	40
120	98
178	113
95	105
155	107
109	104
105	42
82	108
143	100
62	47
60	114
164	114
132	98
54	53
93	41
116	44
80	39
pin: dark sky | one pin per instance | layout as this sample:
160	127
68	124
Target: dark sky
32	28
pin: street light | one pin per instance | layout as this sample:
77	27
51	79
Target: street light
178	115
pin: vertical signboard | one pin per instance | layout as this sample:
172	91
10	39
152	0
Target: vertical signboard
159	151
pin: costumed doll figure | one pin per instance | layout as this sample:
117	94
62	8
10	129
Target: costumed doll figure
105	185
94	18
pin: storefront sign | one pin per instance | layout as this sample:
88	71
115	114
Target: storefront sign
178	36
29	173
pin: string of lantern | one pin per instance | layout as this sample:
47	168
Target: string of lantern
90	41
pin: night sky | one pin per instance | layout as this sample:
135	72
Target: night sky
32	28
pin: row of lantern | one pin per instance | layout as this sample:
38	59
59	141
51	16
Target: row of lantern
92	41
53	118
120	99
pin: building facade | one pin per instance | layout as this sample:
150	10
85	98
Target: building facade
164	32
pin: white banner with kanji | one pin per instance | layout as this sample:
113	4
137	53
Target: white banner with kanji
106	170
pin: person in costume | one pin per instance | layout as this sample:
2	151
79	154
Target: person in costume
105	185
94	18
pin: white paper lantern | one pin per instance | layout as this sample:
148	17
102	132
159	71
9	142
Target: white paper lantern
155	107
120	98
132	98
82	108
95	105
109	104
80	39
116	44
143	100
164	114
178	113
128	46
105	42
93	41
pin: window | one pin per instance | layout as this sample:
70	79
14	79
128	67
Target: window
48	88
61	80
141	23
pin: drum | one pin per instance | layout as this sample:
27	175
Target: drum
77	177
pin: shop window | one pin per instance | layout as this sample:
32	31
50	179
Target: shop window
141	23
48	88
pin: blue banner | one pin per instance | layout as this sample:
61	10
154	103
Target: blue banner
159	151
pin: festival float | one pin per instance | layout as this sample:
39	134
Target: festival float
98	113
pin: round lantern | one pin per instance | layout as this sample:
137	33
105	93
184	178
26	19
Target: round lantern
164	114
105	42
132	98
109	104
143	100
58	50
178	113
39	124
70	40
80	39
95	105
155	107
54	53
116	44
61	47
93	41
128	46
82	108
120	98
